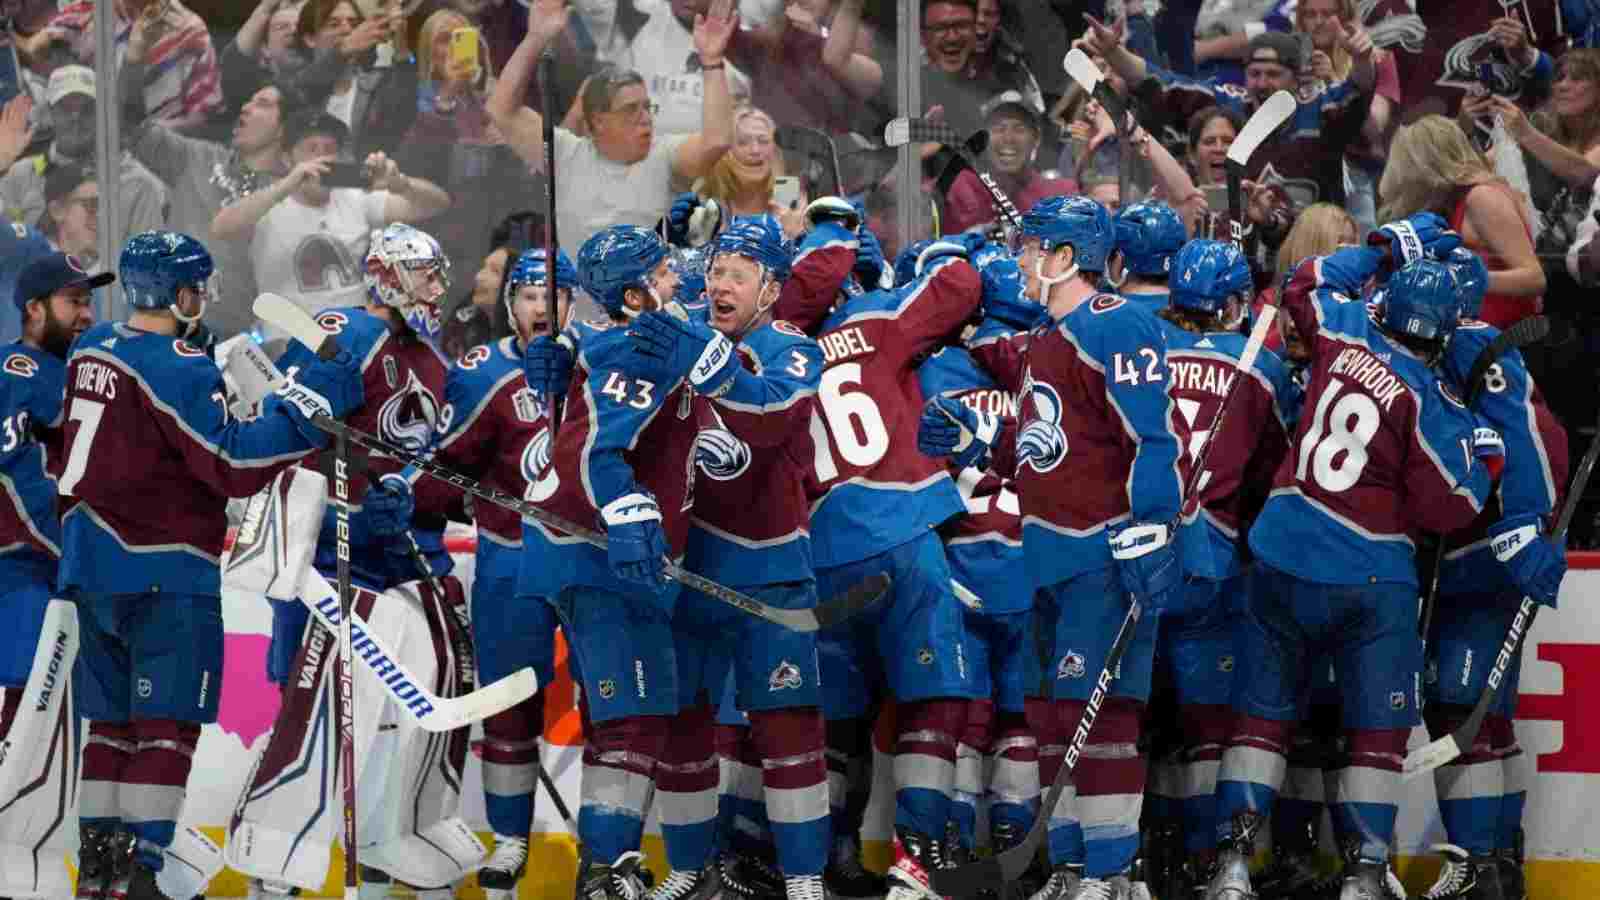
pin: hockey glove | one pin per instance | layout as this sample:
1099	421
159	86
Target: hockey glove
683	206
951	428
547	365
1488	447
1147	563
833	209
1003	297
671	348
871	269
1422	235
388	507
1532	560
636	548
331	387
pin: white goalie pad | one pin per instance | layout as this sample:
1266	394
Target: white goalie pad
189	864
39	769
407	778
278	537
249	372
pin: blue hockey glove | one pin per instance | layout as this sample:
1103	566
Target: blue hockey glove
1418	236
1534	562
951	428
1003	297
871	269
636	548
331	387
547	365
668	348
388	506
833	209
683	206
1147	563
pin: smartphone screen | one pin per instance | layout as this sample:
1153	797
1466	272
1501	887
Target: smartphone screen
345	174
786	191
464	49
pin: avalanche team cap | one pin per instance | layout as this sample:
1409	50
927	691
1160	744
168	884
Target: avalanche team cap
1276	47
67	80
48	274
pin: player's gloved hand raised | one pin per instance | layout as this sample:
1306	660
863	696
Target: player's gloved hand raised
388	507
833	209
1417	236
331	387
1003	297
547	365
1147	563
964	245
666	348
636	548
1534	561
951	428
871	269
683	207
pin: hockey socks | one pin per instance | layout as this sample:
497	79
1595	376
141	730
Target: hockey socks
1369	789
741	806
106	754
1014	780
849	760
925	764
1110	777
1471	787
154	783
794	784
686	789
1065	834
1205	734
511	765
1252	771
619	764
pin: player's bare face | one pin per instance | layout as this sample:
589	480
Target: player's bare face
736	288
67	313
1211	151
663	280
532	310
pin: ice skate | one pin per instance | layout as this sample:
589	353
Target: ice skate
504	867
915	857
704	884
1230	879
1465	876
846	877
617	880
1061	885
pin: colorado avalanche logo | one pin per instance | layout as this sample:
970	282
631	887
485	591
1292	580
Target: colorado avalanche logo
19	364
786	677
1071	665
1041	445
408	417
536	459
720	455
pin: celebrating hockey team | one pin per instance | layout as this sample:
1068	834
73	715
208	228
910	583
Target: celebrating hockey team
804	450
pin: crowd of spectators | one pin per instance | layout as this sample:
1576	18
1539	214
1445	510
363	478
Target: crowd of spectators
281	134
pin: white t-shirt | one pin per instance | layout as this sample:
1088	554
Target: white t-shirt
343	106
660	53
593	192
315	256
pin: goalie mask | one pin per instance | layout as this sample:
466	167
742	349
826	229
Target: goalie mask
408	272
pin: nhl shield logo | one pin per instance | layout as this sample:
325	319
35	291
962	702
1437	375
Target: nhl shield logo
145	689
1071	665
1225	664
925	656
786	677
608	689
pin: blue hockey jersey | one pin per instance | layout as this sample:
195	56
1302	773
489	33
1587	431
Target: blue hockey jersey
1382	448
31	387
755	442
151	456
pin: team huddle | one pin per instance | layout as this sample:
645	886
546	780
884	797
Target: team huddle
1049	507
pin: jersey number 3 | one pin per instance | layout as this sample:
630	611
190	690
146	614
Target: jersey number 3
853	418
1335	446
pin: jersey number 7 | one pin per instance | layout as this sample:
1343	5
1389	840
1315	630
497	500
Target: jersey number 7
87	414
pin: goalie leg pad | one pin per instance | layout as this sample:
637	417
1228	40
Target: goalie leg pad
188	864
39	767
439	855
278	536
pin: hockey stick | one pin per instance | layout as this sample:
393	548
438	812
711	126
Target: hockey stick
1088	77
547	65
813	144
1522	333
903	131
1266	119
1009	865
346	692
431	712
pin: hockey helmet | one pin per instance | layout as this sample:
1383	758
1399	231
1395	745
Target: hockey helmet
617	258
1206	273
1423	301
155	264
1074	221
1472	280
1148	234
399	260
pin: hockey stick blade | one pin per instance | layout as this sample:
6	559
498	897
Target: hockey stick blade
904	130
284	313
1089	77
1436	753
859	598
1266	119
1522	333
989	872
430	712
966	596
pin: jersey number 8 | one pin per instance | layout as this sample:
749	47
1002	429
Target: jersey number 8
857	425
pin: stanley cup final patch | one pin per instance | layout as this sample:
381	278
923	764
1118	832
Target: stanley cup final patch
525	406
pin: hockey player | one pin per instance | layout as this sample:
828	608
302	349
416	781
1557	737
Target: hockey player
753	442
54	302
146	415
879	500
623	460
1094	384
403	378
1488	567
494	428
1149	234
984	547
1383	447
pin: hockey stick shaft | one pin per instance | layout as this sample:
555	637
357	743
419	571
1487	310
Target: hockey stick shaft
547	67
1241	368
923	131
346	680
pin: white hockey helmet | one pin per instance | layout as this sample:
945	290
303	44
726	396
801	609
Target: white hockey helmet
399	261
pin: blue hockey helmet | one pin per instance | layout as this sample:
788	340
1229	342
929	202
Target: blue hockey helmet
758	238
1206	273
531	268
1472	280
617	258
1075	221
155	264
905	264
1148	234
1423	301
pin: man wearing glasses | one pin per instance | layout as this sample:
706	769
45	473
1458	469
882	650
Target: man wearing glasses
949	80
619	174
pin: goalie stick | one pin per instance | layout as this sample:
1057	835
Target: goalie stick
1522	333
299	324
904	131
1436	753
1268	116
985	874
346	675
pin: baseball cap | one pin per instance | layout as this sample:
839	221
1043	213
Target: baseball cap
1010	103
66	80
48	274
1276	47
315	121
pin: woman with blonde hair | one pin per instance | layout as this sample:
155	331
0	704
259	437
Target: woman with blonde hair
1320	229
1433	166
742	180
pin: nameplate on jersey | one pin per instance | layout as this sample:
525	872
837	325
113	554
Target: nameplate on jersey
845	343
1372	373
22	364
